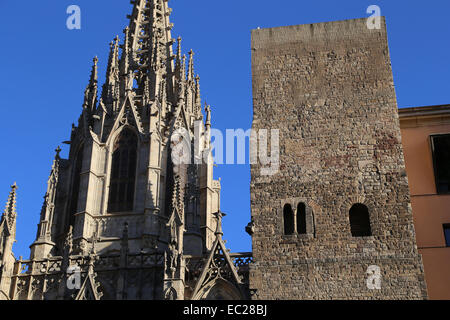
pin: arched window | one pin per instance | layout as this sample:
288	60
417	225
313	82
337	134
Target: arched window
123	172
288	216
76	185
301	218
360	221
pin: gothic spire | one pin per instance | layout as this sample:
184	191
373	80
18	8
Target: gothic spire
94	73
112	73
178	55
9	214
90	94
182	78
125	58
190	76
149	28
198	99
49	199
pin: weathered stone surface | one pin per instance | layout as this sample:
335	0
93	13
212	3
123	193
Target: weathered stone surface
329	88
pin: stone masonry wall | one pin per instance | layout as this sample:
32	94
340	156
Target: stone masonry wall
329	88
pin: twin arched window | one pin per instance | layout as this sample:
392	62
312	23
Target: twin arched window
294	222
123	172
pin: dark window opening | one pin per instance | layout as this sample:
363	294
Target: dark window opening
360	221
288	216
301	218
441	160
447	234
123	173
76	185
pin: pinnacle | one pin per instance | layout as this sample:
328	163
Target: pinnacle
94	76
10	208
58	151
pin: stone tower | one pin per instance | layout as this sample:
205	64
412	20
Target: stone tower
134	210
335	222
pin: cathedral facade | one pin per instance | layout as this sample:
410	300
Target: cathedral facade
121	219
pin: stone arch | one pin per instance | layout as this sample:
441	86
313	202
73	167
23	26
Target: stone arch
375	212
219	289
359	217
171	294
303	218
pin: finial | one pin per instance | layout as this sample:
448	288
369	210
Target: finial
94	77
219	215
208	114
58	151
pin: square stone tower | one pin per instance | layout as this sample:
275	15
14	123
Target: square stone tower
335	221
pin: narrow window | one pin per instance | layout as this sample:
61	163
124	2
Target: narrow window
78	166
123	173
441	159
288	216
360	221
301	218
447	234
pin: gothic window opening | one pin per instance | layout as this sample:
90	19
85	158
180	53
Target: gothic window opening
123	173
360	221
76	185
301	218
288	216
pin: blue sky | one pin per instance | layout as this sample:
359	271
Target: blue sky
45	68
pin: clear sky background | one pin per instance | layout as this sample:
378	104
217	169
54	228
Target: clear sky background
44	69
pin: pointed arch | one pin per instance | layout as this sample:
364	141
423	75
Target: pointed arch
220	289
219	278
123	172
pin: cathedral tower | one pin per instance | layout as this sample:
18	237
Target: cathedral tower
134	210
